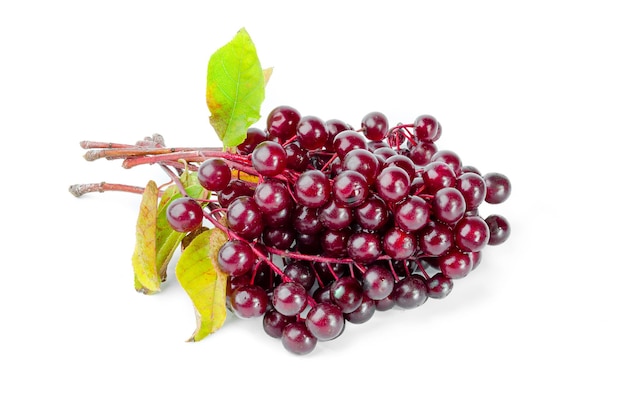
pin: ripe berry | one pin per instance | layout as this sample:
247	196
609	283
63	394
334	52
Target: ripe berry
435	239
348	140
438	175
499	229
236	188
450	158
498	188
279	237
312	189
278	218
372	214
334	243
362	161
448	205
214	174
269	158
439	286
235	258
473	188
244	217
412	214
421	153
335	217
297	157
393	184
398	244
410	292
386	304
427	128
333	127
274	323
364	247
363	313
307	220
455	264
375	126
377	282
297	338
346	293
289	298
184	214
471	234
403	162
300	272
282	122
350	188
325	321
254	136
272	196
311	132
249	301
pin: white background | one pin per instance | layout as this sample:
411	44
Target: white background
535	90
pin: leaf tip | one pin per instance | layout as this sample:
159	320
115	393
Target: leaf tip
267	73
147	291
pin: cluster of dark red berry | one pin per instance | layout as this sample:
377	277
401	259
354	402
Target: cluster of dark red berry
340	222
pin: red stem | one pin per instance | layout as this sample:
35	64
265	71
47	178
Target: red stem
332	272
122	153
175	179
81	189
103	145
329	162
406	269
186	155
311	258
317	276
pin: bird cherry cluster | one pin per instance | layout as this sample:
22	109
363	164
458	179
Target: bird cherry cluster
341	222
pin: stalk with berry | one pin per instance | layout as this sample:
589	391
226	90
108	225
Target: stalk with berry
307	223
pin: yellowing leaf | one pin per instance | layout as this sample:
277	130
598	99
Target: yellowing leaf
235	89
198	273
147	279
238	174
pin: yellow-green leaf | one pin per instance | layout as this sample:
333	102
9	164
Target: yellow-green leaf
235	89
147	279
198	273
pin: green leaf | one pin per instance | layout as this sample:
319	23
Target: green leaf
147	279
235	89
198	273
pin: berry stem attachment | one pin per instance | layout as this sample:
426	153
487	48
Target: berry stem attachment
257	252
422	269
393	271
175	179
